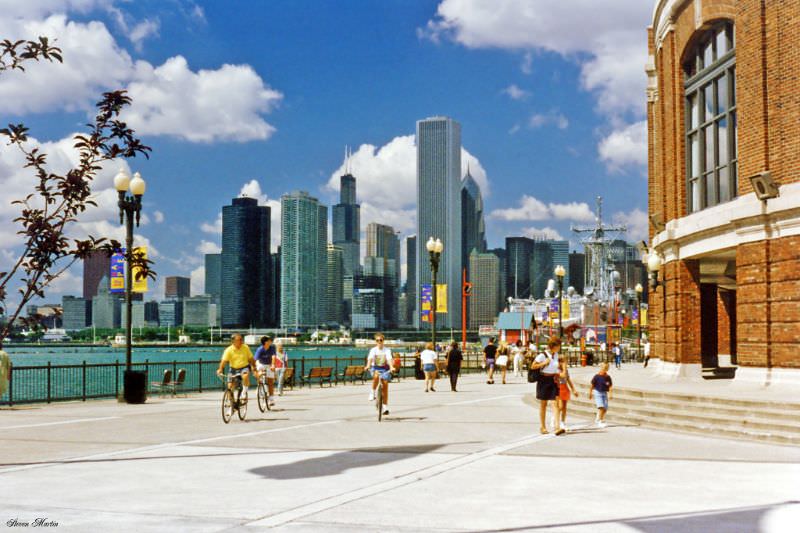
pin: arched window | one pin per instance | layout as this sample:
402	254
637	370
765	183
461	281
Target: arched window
711	143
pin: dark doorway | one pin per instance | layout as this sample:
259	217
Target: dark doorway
709	344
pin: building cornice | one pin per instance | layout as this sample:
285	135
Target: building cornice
745	219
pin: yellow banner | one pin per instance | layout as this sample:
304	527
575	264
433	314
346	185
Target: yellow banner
564	309
644	317
139	284
441	297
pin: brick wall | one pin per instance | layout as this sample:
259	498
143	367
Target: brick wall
766	305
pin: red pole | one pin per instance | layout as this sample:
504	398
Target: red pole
464	309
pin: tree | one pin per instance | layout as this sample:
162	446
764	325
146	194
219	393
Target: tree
57	200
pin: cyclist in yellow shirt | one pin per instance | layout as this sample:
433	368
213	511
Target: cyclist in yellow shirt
240	359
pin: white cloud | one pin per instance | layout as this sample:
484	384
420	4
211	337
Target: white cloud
527	63
636	222
514	129
214	228
223	104
143	30
158	216
537	120
625	146
205	106
386	181
208	247
546	233
198	280
515	93
607	39
532	209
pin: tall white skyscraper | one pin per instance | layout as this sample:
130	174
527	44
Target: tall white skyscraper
439	209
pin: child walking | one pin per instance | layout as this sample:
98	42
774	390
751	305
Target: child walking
600	388
565	385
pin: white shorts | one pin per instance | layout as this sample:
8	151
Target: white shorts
261	367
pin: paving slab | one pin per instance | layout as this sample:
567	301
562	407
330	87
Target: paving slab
443	461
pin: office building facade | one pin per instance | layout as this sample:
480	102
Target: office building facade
439	208
106	307
519	262
346	221
96	266
412	289
77	313
197	310
333	303
473	226
485	302
304	231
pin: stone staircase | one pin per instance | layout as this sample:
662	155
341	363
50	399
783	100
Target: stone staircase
766	421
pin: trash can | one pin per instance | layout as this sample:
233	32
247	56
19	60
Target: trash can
590	358
583	359
135	383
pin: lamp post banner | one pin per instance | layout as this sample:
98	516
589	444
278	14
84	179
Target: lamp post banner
426	297
441	297
117	272
139	284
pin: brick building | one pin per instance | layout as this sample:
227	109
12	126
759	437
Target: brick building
723	106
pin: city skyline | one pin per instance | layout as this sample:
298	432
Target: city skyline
546	124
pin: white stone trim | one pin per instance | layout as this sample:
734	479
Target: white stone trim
663	18
725	226
668	370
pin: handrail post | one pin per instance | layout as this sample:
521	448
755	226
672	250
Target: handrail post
10	384
48	380
84	381
200	374
302	370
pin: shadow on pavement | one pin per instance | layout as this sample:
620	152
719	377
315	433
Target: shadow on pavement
331	465
717	520
248	453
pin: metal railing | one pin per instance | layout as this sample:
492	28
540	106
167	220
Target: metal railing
51	383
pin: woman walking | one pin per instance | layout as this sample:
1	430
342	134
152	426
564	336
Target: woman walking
280	361
454	358
502	360
547	386
518	352
430	365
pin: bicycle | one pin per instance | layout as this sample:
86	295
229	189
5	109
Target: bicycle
231	402
263	399
386	376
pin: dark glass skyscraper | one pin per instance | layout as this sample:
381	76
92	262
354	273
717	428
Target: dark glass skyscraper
246	264
519	259
411	280
473	228
347	224
95	266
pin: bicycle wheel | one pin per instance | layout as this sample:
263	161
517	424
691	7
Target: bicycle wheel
227	406
263	404
242	411
379	401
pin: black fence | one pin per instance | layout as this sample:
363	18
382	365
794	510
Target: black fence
51	383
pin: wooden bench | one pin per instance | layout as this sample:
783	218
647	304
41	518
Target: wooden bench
353	372
321	373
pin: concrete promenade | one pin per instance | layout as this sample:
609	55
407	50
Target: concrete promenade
441	461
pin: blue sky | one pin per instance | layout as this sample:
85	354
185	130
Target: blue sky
262	97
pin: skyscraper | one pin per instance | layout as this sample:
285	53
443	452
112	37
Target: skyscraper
485	301
106	307
304	233
519	257
95	267
333	303
245	264
383	245
473	227
347	224
542	266
177	287
214	277
560	250
577	271
77	313
411	280
439	208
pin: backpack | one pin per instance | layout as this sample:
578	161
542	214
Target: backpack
534	374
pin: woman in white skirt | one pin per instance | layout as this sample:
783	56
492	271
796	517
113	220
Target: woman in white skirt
502	359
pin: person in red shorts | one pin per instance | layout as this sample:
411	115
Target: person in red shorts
565	385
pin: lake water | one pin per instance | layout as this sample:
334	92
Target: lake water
42	354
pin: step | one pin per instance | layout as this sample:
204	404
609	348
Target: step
691	426
779	416
709	418
705	400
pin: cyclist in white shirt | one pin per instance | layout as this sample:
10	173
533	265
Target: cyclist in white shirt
379	361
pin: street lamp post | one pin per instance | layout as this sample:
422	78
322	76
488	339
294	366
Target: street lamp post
130	207
559	272
639	290
435	248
